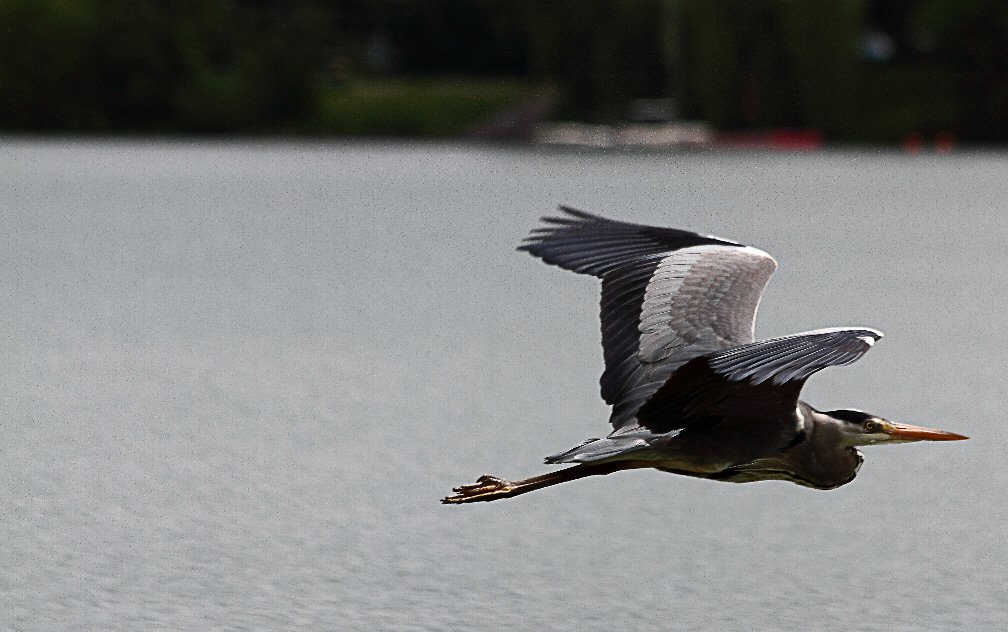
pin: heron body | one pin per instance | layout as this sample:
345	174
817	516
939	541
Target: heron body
691	392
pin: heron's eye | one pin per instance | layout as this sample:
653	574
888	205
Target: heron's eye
869	426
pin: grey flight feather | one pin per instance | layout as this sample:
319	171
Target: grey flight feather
705	293
668	296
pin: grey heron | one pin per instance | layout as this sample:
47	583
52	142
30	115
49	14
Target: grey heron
690	390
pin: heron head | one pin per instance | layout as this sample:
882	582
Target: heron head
860	428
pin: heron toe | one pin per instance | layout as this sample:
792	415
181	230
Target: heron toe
485	488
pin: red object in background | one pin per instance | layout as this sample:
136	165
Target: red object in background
913	143
944	143
773	140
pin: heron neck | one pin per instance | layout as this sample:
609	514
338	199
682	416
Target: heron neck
821	458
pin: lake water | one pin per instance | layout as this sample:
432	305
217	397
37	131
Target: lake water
238	377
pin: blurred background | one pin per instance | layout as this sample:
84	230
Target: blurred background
252	337
881	71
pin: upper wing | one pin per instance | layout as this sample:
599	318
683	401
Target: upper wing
760	380
667	296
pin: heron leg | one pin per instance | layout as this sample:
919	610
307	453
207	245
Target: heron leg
487	488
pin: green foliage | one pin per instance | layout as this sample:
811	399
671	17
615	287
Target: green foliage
971	39
256	65
430	106
136	64
142	64
45	74
822	37
896	100
602	53
772	62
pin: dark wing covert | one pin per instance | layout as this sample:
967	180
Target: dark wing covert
766	376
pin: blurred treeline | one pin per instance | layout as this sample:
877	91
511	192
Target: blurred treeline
856	69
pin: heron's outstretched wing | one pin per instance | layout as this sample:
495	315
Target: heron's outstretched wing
668	296
765	376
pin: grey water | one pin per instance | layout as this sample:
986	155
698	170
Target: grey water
237	377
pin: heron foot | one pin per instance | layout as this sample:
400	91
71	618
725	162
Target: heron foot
485	489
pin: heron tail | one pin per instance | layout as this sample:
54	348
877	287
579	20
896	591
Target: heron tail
594	450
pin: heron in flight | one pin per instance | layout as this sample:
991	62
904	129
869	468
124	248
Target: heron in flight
691	392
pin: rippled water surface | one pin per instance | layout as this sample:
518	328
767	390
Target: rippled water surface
237	378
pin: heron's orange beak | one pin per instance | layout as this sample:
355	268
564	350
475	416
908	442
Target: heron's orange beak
906	432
